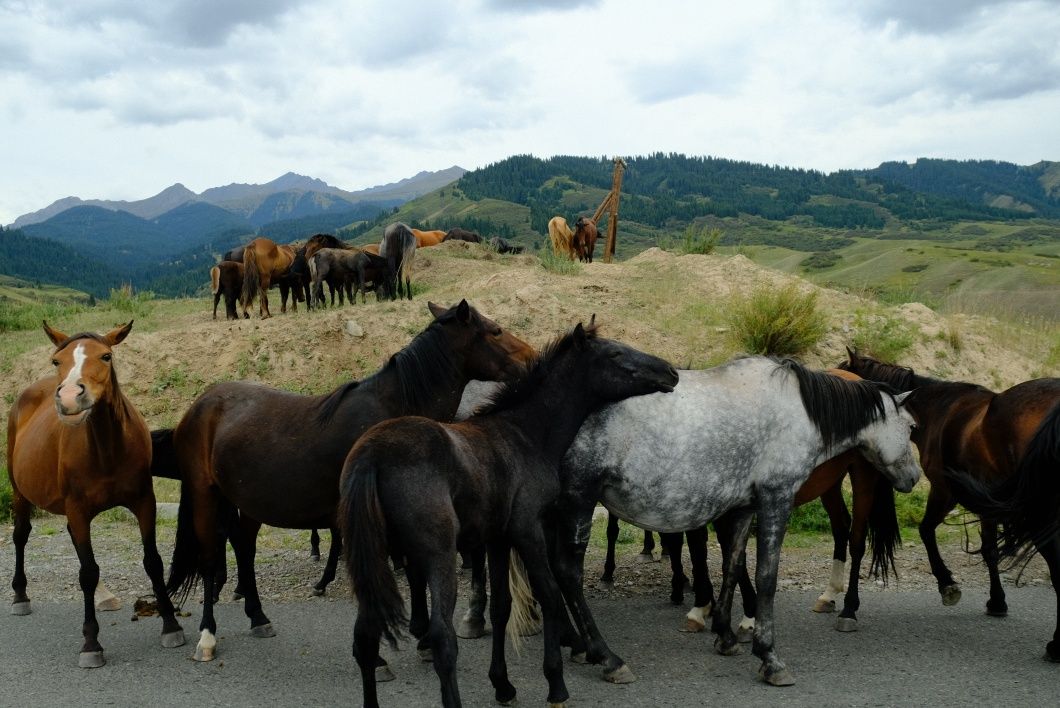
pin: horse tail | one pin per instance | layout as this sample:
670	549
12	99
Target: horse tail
365	542
164	455
884	532
408	258
215	279
251	278
184	569
1026	503
523	621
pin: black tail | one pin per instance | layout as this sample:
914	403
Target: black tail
364	537
1027	504
184	570
884	533
164	455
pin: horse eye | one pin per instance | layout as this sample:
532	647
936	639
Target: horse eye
55	362
105	357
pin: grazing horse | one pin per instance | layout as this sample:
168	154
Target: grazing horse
276	456
584	239
499	245
561	236
296	280
336	267
428	238
263	261
77	446
1027	503
318	241
966	427
398	247
459	234
730	442
428	489
226	279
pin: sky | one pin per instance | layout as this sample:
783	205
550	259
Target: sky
119	99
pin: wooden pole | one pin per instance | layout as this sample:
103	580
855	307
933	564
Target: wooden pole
612	202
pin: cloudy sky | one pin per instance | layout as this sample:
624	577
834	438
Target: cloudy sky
118	99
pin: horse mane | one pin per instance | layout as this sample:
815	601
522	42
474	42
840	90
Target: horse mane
902	378
838	408
512	393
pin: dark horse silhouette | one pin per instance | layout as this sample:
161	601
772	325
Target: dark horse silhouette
398	247
77	446
429	489
226	280
966	427
276	456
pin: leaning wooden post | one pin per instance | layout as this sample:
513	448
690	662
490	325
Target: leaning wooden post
612	218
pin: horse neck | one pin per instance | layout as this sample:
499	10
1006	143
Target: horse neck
426	378
111	419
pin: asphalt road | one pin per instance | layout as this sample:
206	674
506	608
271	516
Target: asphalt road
910	650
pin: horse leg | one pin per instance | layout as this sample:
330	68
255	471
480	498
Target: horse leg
749	596
696	619
574	522
333	563
773	512
263	302
22	511
500	611
78	525
473	623
839	520
733	529
532	547
216	300
314	545
366	636
672	543
1050	551
939	504
648	547
284	292
419	618
246	548
441	578
996	605
144	510
608	578
864	491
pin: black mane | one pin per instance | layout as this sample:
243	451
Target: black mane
839	408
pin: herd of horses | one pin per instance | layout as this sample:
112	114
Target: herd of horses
400	471
578	244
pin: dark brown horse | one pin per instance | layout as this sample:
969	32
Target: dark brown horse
263	261
584	240
499	245
966	427
77	446
459	234
398	247
319	241
276	456
426	490
226	280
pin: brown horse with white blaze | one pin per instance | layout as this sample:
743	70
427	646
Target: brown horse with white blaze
263	261
77	446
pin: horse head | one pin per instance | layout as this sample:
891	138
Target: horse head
490	352
84	370
886	443
616	371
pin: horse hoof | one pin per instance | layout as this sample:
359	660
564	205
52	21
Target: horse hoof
237	596
91	659
726	647
693	626
645	558
951	595
319	592
746	631
109	604
204	654
425	654
620	675
263	631
846	624
578	658
824	605
606	584
558	705
383	674
316	557
172	640
21	609
471	629
777	677
509	702
997	609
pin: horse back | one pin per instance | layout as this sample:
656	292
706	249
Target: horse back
1013	417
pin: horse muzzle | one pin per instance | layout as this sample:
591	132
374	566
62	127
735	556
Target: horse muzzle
72	404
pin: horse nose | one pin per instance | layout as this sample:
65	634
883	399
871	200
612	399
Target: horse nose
68	395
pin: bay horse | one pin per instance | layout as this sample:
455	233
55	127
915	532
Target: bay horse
398	247
77	446
318	241
276	456
1027	503
226	280
263	261
459	234
429	489
966	427
562	238
584	238
428	238
712	451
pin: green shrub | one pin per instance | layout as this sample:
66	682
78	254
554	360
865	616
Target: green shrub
775	321
820	260
884	338
560	265
136	304
915	268
16	317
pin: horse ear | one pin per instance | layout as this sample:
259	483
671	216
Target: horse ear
55	335
900	398
436	310
463	312
852	354
579	336
118	334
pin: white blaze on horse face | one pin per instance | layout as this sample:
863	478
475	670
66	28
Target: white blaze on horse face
70	388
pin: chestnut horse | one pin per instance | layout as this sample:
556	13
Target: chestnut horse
263	261
428	238
561	236
584	239
77	446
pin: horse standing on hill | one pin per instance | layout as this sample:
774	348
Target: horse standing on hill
263	261
76	446
427	490
584	239
562	238
459	234
398	247
425	239
318	241
226	280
